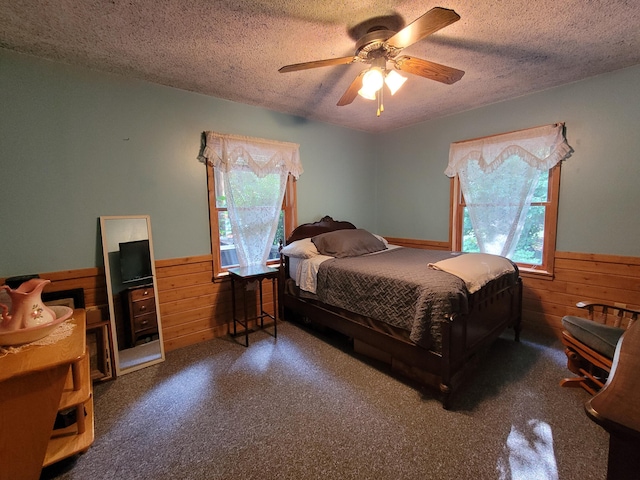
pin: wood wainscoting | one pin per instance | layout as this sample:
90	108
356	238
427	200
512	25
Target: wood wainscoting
91	280
195	309
413	243
611	279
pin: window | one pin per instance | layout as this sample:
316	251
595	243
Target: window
223	246
252	197
505	195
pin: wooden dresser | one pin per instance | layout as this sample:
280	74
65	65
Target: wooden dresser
140	310
35	384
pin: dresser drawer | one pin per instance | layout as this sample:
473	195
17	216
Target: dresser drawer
142	293
143	307
145	322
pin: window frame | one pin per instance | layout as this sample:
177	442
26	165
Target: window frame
289	206
550	223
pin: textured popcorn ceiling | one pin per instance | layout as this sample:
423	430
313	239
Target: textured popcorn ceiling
232	49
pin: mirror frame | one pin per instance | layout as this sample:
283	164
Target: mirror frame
110	294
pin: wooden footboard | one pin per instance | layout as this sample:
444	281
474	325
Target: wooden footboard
463	336
492	311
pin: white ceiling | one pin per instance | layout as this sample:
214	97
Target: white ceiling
232	49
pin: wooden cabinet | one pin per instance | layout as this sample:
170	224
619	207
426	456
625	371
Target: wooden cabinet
76	402
140	310
37	382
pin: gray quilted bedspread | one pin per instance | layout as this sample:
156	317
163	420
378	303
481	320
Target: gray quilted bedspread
397	287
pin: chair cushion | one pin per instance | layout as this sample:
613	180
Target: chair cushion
601	338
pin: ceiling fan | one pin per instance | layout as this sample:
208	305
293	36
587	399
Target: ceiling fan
380	47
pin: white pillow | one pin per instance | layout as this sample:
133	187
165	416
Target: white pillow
301	249
382	239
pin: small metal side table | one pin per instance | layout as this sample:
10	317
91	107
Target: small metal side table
245	276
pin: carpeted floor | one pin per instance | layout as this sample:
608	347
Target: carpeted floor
302	407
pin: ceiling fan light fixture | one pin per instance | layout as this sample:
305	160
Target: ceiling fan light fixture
394	81
372	80
380	46
367	94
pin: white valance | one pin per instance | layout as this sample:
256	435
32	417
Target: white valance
541	147
258	155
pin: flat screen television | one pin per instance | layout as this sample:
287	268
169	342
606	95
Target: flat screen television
135	261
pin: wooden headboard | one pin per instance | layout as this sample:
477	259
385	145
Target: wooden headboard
326	224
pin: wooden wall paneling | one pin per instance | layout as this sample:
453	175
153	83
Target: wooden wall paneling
193	324
201	298
537	321
182	261
167	283
414	243
606	278
189	292
91	280
606	294
188	298
193	338
194	308
602	279
622	267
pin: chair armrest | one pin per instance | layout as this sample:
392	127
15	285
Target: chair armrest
587	304
590	305
622	312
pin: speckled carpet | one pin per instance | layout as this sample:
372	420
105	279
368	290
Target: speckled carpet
303	407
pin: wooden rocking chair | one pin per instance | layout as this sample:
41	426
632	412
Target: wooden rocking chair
591	343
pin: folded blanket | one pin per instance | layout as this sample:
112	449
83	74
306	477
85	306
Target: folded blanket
476	269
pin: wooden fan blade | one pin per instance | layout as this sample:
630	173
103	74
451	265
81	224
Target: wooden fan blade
317	63
351	93
430	70
430	22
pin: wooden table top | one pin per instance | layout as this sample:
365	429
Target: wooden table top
252	271
41	357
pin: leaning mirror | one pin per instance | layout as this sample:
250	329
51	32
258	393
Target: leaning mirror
132	292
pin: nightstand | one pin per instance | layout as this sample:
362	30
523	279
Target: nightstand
246	276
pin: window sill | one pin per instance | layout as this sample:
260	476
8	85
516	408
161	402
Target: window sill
528	272
220	277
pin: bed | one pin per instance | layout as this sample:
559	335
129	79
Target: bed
421	311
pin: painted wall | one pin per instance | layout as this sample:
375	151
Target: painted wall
76	144
599	191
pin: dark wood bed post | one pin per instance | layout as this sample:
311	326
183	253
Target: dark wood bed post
446	386
282	277
518	308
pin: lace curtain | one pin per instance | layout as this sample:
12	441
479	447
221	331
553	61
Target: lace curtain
255	175
498	176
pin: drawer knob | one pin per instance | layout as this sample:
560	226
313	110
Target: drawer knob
143	307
